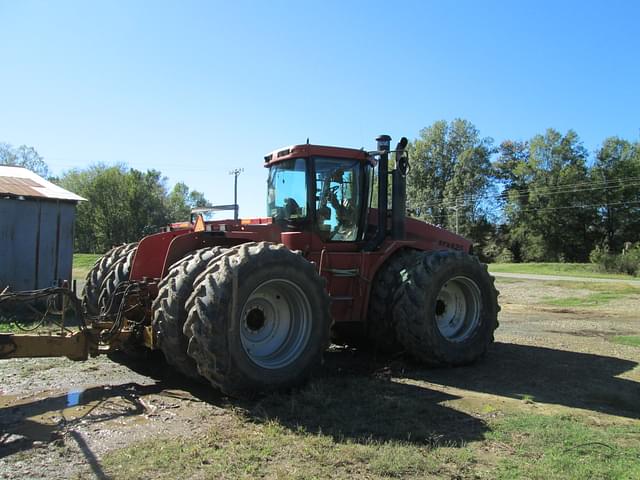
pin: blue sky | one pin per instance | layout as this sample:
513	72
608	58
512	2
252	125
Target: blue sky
195	89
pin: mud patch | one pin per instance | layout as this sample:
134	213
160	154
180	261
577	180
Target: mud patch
48	416
60	428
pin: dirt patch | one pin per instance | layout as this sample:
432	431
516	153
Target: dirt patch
530	292
570	296
59	423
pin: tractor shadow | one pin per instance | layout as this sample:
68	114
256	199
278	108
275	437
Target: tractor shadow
355	387
363	397
358	408
348	406
538	374
350	399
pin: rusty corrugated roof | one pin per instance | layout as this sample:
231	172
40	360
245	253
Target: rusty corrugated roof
20	182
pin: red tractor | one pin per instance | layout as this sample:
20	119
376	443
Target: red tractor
251	305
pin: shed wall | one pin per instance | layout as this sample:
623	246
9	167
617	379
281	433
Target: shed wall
36	242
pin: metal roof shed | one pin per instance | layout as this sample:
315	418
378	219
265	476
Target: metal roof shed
36	230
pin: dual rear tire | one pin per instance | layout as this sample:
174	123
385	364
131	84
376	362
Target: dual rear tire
246	319
169	308
445	312
109	270
249	318
258	320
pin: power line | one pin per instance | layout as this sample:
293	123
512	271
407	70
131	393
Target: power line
540	191
568	207
579	186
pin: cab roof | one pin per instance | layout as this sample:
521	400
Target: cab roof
308	150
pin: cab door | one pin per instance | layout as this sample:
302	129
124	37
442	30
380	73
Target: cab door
339	193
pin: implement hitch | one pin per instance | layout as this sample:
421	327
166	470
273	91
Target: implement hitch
74	346
73	333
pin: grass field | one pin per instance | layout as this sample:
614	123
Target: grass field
564	269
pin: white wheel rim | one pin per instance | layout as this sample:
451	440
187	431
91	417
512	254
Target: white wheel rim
275	324
457	309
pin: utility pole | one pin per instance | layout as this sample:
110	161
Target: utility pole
456	209
456	215
235	172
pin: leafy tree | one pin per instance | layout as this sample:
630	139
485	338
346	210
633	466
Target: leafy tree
147	197
617	170
181	200
123	205
178	202
451	177
548	203
81	183
23	156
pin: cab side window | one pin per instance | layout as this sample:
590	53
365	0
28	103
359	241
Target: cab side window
338	192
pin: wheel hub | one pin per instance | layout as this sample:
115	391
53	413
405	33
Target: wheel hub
457	309
275	324
255	319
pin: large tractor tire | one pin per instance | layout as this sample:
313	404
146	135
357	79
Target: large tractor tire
380	331
258	320
118	272
446	311
169	312
97	274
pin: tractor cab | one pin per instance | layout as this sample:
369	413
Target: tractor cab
321	189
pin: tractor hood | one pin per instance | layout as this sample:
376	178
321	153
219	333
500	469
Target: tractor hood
429	236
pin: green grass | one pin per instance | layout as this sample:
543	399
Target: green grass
31	328
555	447
592	300
85	260
563	269
7	326
343	427
527	446
270	451
82	263
633	340
602	293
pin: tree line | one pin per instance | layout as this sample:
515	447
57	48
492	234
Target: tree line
542	199
546	198
123	204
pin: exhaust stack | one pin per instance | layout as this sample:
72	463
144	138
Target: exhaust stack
399	193
383	144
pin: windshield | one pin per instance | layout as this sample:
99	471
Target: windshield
287	191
